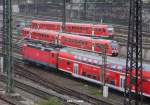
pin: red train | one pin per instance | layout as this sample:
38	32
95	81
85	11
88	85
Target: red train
100	30
80	42
84	65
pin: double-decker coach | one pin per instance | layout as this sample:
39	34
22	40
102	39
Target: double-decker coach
85	65
71	40
98	30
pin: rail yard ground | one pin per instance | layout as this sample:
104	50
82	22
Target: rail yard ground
36	83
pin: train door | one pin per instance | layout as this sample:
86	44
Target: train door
122	81
75	68
53	58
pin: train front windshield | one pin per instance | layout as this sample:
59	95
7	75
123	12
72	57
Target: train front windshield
114	44
110	30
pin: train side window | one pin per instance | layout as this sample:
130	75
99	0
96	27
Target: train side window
86	28
80	28
99	30
52	55
68	62
103	29
84	73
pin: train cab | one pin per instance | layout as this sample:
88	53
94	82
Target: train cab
101	30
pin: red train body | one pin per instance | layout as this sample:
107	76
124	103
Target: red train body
80	42
84	65
100	30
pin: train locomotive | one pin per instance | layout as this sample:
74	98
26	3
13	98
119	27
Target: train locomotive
71	40
98	30
84	65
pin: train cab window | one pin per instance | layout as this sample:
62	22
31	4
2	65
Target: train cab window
68	62
112	82
104	30
119	68
86	28
89	75
84	73
113	66
94	76
100	30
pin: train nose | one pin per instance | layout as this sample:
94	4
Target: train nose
114	51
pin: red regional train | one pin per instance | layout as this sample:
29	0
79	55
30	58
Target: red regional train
100	30
80	42
84	65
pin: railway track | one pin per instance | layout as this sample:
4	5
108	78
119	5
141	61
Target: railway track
26	73
28	88
8	99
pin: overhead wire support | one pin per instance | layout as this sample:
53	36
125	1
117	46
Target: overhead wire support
85	7
64	16
7	44
134	77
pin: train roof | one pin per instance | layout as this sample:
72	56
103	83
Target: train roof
40	30
79	24
41	21
75	24
113	60
40	46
